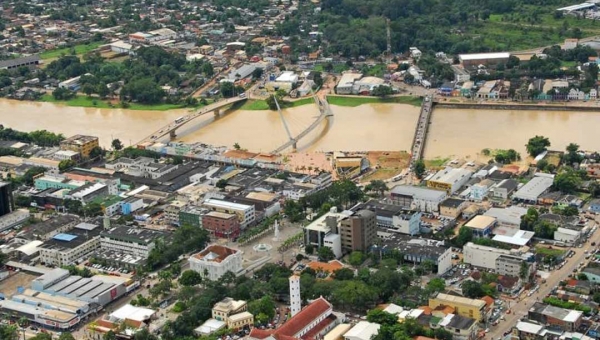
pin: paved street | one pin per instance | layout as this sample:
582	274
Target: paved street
519	308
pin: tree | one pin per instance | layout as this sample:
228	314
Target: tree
542	164
236	146
116	144
529	220
309	249
472	289
378	186
23	201
356	258
96	152
436	285
264	305
567	181
382	91
66	164
524	270
257	73
110	335
42	336
221	184
66	336
326	254
536	145
190	278
572	155
227	89
465	235
380	317
582	277
88	89
419	168
343	274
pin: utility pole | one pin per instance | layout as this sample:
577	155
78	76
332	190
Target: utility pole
389	40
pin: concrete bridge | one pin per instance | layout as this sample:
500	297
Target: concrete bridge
171	129
325	112
420	137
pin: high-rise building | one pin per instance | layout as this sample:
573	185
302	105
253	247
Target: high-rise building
295	299
359	231
6	199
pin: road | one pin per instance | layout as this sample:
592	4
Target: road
520	308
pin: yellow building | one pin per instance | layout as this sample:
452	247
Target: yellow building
233	312
237	321
80	143
471	308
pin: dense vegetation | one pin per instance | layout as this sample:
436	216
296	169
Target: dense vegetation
143	75
38	137
358	28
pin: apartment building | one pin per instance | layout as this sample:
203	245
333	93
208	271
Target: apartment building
471	308
80	143
221	225
245	213
130	240
71	247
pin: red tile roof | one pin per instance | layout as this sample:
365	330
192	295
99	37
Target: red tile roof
319	327
294	325
306	315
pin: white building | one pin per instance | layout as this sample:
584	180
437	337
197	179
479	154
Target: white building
482	256
214	261
537	186
363	330
450	179
418	198
407	223
287	77
346	83
507	216
568	236
66	248
295	299
245	213
138	242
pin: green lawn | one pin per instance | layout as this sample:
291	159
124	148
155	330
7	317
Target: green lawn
436	163
549	252
357	101
79	49
300	102
84	101
254	105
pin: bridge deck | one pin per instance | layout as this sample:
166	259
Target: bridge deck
325	111
166	130
420	137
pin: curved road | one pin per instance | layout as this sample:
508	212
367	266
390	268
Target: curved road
519	308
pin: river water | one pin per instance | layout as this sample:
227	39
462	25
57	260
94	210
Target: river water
464	133
382	127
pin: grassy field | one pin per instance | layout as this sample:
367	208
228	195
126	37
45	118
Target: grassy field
79	49
253	105
357	101
84	101
549	252
256	105
436	163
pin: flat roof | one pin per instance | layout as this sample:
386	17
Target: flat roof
480	222
478	56
511	215
225	204
521	238
460	300
418	192
132	313
577	7
451	175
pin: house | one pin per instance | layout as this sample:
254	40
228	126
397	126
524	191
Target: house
470	308
452	207
414	52
566	235
565	319
504	189
461	327
592	273
481	225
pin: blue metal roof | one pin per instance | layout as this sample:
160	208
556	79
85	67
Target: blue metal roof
64	237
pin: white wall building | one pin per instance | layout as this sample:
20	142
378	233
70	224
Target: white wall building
407	223
568	236
66	248
482	256
295	299
130	240
363	330
245	213
214	261
418	198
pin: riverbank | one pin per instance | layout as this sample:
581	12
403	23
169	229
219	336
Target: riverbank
259	105
85	101
353	101
516	106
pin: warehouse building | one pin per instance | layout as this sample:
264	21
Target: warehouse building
449	179
422	199
486	59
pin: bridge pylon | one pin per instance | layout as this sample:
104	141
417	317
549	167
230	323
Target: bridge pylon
172	134
217	112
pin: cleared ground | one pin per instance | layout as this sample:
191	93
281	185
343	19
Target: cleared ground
20	279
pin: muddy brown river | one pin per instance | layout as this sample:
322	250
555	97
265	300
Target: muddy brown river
453	133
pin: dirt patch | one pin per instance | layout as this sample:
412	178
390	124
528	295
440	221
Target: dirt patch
9	286
387	164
